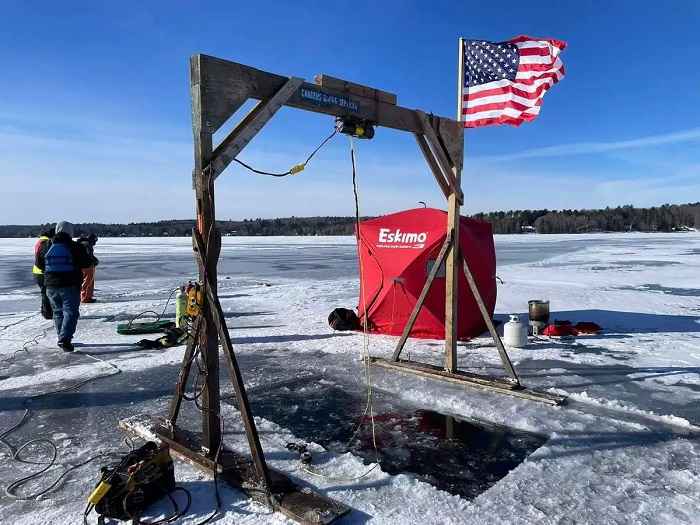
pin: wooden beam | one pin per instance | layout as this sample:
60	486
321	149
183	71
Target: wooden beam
432	164
230	82
220	99
489	323
251	124
469	380
451	136
440	156
330	82
204	189
421	298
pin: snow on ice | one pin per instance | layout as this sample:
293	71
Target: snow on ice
624	450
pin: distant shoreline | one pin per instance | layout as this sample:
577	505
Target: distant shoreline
661	219
523	234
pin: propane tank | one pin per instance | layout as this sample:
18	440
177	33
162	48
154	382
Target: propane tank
180	307
515	332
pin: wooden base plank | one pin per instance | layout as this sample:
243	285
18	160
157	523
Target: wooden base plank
502	386
298	503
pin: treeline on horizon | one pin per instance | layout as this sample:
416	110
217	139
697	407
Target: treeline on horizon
665	218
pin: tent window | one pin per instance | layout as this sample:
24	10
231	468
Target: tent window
429	267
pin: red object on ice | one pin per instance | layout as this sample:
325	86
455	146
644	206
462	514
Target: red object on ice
559	329
588	327
397	252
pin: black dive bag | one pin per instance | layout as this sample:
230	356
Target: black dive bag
342	319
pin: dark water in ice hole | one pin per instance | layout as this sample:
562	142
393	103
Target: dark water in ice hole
459	456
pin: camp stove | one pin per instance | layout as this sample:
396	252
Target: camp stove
538	313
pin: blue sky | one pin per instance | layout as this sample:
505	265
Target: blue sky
94	106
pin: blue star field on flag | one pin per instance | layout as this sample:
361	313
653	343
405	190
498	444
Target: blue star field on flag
489	61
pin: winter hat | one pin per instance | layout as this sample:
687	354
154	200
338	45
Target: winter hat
65	227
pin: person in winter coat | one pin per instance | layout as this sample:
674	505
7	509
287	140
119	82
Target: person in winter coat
62	262
88	287
43	240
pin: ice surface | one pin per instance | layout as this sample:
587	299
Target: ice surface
625	450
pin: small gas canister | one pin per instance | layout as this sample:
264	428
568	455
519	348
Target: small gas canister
515	332
180	307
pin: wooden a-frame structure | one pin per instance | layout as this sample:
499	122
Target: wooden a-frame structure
218	89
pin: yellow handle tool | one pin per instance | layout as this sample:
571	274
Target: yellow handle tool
99	492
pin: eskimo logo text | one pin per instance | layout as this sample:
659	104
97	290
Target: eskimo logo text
397	239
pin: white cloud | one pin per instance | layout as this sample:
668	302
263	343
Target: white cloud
584	148
120	177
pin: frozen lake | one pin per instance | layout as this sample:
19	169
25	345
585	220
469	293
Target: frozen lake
270	257
626	449
241	258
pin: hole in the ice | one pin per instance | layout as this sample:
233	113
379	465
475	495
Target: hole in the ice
463	457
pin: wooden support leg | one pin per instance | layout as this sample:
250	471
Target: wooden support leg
449	166
204	190
440	156
235	372
421	298
452	285
432	164
208	338
489	323
176	401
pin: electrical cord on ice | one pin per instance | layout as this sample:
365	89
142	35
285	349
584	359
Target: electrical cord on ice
174	516
26	343
338	479
15	452
15	323
160	315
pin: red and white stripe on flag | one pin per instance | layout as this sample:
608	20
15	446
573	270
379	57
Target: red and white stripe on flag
513	100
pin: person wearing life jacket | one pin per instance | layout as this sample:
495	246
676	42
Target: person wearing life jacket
88	287
43	240
62	262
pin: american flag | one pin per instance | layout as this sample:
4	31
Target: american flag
504	82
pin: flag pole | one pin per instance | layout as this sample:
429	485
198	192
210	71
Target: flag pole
460	79
452	263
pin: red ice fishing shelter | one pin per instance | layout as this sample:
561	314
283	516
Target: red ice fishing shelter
396	254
